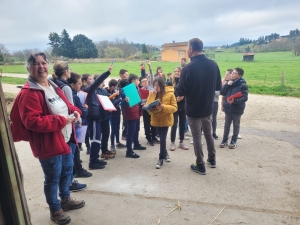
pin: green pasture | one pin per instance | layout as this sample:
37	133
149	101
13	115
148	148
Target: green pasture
263	75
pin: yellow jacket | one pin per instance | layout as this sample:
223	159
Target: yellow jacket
165	117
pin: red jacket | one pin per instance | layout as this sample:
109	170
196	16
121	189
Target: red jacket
134	112
37	125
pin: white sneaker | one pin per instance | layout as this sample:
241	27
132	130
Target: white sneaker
172	146
189	134
183	146
239	136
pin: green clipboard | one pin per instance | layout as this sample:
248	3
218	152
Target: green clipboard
132	93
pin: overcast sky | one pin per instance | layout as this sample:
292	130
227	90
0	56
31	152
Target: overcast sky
27	24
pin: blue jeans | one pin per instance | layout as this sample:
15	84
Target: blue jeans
133	134
57	172
115	129
95	137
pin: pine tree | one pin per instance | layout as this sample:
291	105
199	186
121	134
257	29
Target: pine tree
84	47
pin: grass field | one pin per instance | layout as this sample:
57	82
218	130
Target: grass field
263	75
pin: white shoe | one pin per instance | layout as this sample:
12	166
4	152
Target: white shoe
172	146
239	136
183	146
188	134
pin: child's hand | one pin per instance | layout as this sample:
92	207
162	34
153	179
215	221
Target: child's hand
153	92
179	98
230	82
85	106
159	107
127	99
230	101
110	68
148	62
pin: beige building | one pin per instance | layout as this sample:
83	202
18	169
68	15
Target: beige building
173	52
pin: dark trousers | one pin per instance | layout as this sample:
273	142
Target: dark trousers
105	130
150	131
133	134
124	125
235	119
214	119
115	130
77	162
182	119
95	137
195	125
57	172
163	131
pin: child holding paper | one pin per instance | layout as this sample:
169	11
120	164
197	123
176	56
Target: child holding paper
132	116
163	117
75	83
105	128
234	105
147	86
94	117
116	115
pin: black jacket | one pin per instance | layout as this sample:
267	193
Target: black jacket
238	106
95	109
116	102
106	115
198	82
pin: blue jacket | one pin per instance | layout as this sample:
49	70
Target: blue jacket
95	109
238	106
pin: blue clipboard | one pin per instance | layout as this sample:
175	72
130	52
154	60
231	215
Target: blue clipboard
132	93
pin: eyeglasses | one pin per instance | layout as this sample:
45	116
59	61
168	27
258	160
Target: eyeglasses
234	73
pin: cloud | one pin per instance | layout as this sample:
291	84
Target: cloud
27	24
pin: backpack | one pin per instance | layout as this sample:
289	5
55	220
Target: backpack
18	130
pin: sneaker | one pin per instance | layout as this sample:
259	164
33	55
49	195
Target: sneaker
97	165
71	203
172	146
87	151
139	147
120	145
132	155
75	186
112	153
159	163
82	173
211	163
197	169
239	136
107	156
150	142
223	144
102	162
232	144
215	136
167	158
188	134
112	148
60	217
183	146
155	140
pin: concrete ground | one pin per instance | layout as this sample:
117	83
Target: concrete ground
256	183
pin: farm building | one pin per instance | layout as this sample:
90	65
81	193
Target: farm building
248	57
173	52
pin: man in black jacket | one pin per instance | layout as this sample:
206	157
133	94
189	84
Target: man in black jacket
198	82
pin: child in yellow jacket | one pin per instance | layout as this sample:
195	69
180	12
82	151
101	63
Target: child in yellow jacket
162	118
